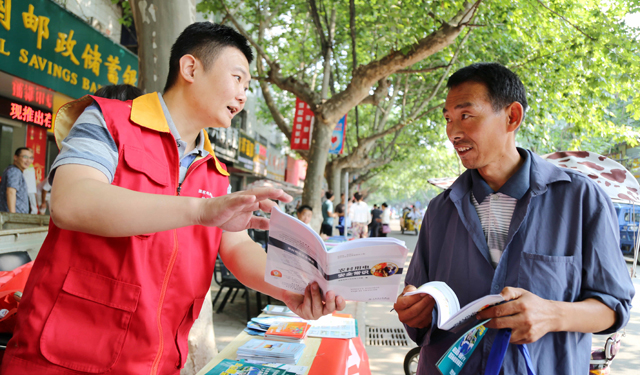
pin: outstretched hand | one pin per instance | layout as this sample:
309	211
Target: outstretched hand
310	305
234	212
529	316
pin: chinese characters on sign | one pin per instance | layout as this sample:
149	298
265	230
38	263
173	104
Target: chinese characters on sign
77	61
28	92
37	141
27	114
246	151
302	126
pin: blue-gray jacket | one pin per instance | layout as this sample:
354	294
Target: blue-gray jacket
563	245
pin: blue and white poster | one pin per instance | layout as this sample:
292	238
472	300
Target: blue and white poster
338	136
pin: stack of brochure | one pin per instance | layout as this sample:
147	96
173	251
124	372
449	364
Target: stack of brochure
266	351
228	366
288	331
258	326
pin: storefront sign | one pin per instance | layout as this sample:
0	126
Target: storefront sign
26	113
37	141
225	142
25	91
246	151
43	43
302	126
338	136
260	160
276	164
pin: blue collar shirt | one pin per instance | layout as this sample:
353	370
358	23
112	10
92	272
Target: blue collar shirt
562	245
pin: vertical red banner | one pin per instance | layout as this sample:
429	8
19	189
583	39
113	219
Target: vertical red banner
37	141
302	126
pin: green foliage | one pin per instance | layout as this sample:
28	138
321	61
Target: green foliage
127	16
578	59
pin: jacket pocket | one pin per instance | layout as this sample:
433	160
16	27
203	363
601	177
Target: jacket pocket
549	276
182	335
139	161
88	324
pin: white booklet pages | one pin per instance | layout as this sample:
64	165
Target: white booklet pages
367	269
450	315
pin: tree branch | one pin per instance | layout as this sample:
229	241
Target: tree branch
425	70
565	20
380	92
365	76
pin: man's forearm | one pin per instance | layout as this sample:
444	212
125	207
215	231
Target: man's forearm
96	207
588	316
11	199
247	261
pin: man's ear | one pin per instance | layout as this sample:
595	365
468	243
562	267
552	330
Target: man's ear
515	115
188	65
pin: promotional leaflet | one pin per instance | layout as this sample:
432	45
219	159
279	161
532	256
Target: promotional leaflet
367	269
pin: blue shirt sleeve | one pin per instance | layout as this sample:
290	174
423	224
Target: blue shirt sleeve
14	178
605	276
89	143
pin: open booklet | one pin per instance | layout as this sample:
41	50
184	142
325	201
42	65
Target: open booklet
450	316
367	269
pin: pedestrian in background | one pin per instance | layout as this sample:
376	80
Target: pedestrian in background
386	220
327	214
360	217
14	194
376	222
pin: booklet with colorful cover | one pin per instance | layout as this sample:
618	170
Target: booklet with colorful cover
269	351
451	317
288	331
367	269
230	367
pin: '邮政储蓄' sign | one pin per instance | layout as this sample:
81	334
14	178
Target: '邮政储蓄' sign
43	43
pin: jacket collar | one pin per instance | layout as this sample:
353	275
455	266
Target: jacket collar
146	111
541	174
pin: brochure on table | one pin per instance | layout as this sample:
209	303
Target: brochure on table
450	316
368	269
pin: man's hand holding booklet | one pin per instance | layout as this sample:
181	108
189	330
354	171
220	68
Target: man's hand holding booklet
367	269
450	316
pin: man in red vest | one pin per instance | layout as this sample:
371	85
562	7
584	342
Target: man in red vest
132	244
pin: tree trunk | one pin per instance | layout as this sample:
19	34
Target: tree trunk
318	153
158	24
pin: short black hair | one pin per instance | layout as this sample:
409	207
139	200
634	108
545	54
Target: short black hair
204	40
503	85
385	204
357	196
20	149
119	92
304	207
328	194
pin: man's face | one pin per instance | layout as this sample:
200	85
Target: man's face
24	160
220	91
305	216
478	134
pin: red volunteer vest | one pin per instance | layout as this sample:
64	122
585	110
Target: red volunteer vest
121	305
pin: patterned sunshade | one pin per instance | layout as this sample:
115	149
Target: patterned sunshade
613	178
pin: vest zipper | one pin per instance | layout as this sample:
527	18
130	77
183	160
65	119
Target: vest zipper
163	291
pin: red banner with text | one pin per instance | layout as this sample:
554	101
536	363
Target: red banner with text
302	126
37	141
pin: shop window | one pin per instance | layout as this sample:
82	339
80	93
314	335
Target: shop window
6	147
240	121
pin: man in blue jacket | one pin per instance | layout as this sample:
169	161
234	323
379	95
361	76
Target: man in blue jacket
545	238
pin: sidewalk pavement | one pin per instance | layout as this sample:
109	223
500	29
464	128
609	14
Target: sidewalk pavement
388	359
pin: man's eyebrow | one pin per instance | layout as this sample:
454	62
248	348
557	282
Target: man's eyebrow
242	70
461	105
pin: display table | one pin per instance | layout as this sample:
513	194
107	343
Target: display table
322	356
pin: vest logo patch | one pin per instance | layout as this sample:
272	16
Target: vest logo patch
205	194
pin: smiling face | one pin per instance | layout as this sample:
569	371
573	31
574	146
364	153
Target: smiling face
24	160
219	92
480	135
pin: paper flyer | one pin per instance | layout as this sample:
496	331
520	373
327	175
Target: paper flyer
454	359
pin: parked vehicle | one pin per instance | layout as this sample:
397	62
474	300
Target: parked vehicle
629	220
